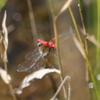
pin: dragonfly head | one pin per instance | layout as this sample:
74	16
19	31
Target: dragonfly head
42	42
39	44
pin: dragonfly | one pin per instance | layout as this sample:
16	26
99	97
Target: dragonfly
36	59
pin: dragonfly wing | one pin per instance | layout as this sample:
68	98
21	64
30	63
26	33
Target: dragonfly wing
32	64
66	34
40	63
35	53
25	66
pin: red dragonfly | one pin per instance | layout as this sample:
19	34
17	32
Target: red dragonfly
37	57
35	60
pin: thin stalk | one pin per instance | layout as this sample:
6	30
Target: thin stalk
58	50
10	86
61	85
57	43
98	39
85	53
4	47
59	59
82	20
98	34
32	21
84	31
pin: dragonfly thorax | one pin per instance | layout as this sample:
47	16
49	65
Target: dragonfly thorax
44	51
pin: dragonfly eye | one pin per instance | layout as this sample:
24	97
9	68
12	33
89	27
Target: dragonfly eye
39	44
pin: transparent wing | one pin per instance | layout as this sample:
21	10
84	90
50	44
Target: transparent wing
66	34
34	53
32	64
41	63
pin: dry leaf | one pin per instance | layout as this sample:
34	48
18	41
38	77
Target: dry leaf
91	38
35	75
4	28
5	77
65	6
77	43
4	40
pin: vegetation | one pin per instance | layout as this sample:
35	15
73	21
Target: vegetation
76	73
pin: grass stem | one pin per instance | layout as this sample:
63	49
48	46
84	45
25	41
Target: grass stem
57	43
98	34
85	53
10	86
85	33
32	21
